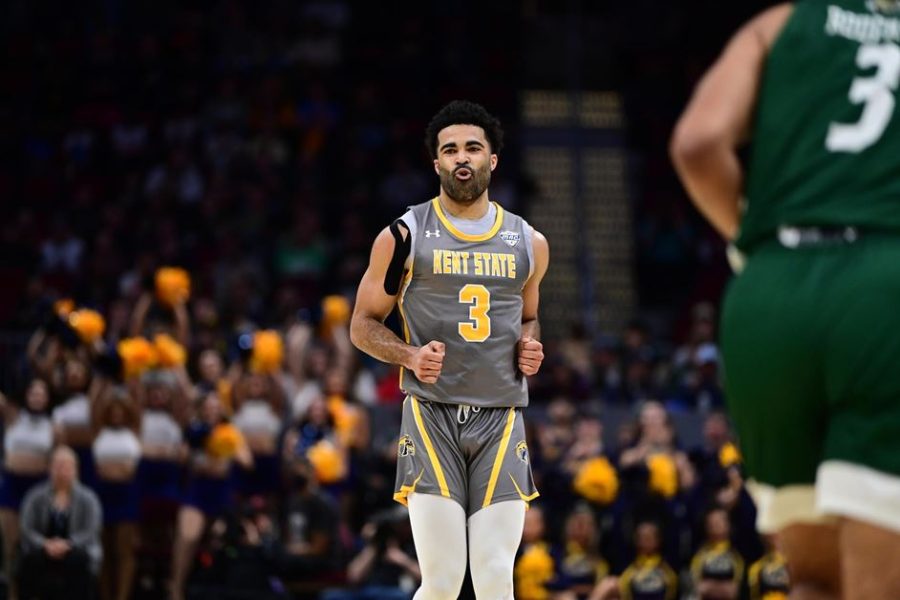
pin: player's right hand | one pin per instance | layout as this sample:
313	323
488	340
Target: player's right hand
427	362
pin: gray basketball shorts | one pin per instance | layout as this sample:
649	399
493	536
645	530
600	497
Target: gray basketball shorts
476	456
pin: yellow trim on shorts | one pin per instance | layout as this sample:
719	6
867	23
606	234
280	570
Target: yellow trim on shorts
403	493
522	495
498	461
465	236
432	455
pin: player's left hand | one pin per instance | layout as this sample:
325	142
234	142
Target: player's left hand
531	355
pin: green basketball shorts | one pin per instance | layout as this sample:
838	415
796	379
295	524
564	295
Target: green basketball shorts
811	347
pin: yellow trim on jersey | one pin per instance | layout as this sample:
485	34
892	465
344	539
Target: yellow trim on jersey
403	287
403	493
438	209
527	499
432	455
498	461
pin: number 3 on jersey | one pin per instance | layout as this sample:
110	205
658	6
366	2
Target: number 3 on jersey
877	92
479	329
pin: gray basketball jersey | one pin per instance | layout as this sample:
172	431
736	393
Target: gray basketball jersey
466	291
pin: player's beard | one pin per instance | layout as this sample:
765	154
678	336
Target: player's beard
468	191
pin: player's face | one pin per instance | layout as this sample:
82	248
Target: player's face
464	162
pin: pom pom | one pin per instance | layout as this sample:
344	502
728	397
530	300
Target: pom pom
173	286
335	310
63	307
88	324
169	353
137	355
346	419
533	571
327	462
224	441
597	481
268	352
663	475
729	455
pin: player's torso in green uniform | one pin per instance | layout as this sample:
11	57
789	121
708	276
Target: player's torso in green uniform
826	136
465	290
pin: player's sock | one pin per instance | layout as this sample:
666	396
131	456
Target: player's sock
495	533
439	531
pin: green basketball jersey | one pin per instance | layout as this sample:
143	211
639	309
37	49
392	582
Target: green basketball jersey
826	136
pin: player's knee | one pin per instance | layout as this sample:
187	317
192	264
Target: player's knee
492	578
442	586
441	581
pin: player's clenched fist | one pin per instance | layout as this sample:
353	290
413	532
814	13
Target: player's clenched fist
426	363
531	355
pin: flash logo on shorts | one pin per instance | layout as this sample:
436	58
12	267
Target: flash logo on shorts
522	452
406	446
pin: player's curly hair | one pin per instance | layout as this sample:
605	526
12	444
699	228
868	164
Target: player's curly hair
463	112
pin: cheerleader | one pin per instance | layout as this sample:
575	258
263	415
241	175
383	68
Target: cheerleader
215	446
117	452
72	419
162	440
27	445
258	403
160	472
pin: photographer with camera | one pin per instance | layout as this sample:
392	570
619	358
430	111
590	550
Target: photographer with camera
311	545
386	567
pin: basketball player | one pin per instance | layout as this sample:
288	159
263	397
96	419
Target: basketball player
809	327
465	275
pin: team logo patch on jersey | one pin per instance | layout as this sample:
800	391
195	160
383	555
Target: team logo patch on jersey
522	451
510	237
436	233
406	446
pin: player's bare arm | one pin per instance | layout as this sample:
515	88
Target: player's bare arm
717	122
373	305
531	351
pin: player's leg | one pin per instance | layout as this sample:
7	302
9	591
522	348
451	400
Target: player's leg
772	356
813	549
500	486
439	532
869	557
867	501
494	536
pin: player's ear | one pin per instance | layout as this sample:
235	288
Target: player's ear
494	159
437	167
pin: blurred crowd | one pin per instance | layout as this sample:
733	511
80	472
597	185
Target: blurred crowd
233	440
261	461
